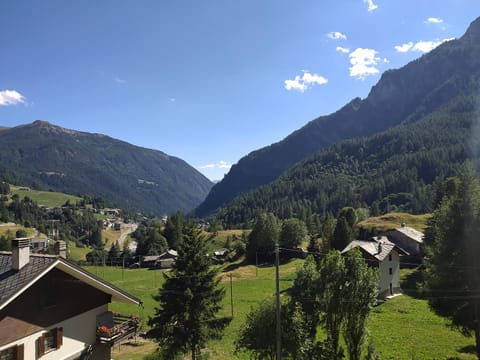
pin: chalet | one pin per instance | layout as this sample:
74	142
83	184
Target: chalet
381	253
167	259
50	308
407	238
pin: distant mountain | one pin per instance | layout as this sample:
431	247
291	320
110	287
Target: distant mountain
401	96
45	156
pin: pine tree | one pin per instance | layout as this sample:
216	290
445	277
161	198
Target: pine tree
452	245
189	300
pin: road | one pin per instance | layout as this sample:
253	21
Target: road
127	229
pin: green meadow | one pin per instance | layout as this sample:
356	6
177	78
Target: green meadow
46	198
401	328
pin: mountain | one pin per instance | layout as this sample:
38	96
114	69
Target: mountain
400	96
45	156
399	169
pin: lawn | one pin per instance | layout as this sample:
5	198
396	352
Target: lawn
10	230
47	198
394	220
402	328
77	253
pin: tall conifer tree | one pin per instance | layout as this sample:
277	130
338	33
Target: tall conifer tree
189	300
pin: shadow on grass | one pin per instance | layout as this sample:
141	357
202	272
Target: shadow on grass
469	349
411	284
234	266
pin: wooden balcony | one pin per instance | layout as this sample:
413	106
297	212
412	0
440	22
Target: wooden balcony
113	328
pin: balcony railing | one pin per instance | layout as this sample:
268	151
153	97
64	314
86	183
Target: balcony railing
117	328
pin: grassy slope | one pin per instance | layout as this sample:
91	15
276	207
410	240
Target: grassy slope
47	198
402	328
394	220
77	253
13	229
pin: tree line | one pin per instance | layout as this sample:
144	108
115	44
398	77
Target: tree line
396	170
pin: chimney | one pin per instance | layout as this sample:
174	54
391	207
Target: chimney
60	248
380	243
20	253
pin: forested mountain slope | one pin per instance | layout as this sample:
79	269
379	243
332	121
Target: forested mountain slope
45	156
395	170
405	95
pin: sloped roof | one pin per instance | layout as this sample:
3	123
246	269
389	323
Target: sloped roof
13	282
378	247
411	233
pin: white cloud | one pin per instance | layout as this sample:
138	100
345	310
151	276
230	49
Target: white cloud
224	165
421	46
306	81
220	165
342	50
119	80
363	63
404	47
434	20
11	97
371	5
335	35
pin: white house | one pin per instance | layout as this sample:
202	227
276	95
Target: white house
381	253
51	308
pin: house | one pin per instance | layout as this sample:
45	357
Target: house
38	244
407	238
167	259
117	225
50	308
381	253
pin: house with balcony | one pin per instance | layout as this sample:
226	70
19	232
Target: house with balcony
50	308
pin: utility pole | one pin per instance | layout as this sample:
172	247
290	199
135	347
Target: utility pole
231	293
277	281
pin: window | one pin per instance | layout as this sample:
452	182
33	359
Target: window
49	341
389	257
12	353
390	271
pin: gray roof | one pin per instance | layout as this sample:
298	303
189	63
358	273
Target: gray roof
11	280
379	247
411	233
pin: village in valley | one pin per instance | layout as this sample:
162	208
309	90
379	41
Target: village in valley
217	180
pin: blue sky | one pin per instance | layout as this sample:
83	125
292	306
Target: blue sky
206	81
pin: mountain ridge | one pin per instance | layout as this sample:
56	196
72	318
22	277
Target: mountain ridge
47	156
399	96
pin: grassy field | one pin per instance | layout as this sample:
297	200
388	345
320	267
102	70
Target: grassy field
47	198
402	328
77	253
394	220
5	230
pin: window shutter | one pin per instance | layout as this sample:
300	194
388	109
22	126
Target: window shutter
41	345
59	337
20	350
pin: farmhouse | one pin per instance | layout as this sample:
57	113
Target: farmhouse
407	238
162	261
52	309
381	253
